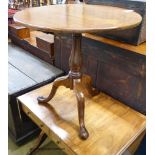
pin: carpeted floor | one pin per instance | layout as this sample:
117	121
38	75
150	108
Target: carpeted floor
45	149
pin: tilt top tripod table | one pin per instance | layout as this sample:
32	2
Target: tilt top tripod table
76	19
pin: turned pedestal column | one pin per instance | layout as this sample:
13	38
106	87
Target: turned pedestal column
81	84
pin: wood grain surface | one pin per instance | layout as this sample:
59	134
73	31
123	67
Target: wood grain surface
23	80
77	18
112	126
31	66
140	49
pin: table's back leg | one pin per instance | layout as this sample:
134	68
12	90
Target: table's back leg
87	84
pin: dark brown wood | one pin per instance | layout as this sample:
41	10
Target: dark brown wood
46	43
62	81
75	81
42	137
93	22
119	69
75	60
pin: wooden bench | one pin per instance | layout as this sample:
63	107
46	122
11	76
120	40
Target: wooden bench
113	126
26	72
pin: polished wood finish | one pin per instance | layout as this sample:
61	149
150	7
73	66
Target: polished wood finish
134	36
116	69
113	126
74	81
77	18
140	49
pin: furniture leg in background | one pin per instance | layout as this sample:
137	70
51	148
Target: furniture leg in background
42	137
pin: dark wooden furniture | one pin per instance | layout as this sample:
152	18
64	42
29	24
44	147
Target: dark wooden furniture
24	75
30	44
113	126
89	18
133	36
118	69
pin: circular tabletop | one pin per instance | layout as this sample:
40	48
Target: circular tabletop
77	18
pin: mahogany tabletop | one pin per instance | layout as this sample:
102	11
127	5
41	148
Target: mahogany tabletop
77	18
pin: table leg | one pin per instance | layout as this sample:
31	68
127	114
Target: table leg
42	137
74	80
81	108
62	81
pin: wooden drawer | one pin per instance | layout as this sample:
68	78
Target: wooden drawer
19	31
46	43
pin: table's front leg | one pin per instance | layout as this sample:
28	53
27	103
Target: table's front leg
61	81
75	63
81	107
